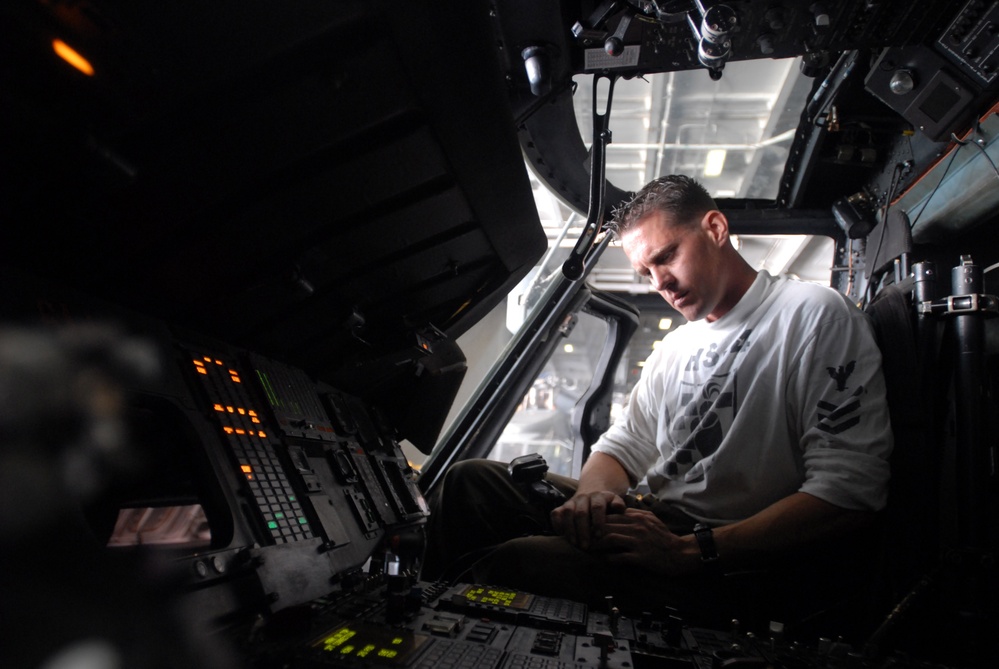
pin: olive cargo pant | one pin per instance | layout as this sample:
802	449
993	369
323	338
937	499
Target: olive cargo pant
483	528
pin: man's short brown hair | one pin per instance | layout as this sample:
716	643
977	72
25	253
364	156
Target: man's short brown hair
676	194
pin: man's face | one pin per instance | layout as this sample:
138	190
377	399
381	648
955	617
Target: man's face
683	262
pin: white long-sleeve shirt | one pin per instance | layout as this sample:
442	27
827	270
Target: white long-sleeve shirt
784	393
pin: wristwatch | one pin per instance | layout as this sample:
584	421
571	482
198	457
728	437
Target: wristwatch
706	542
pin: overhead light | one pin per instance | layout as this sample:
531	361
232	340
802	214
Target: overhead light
665	323
714	162
71	56
568	348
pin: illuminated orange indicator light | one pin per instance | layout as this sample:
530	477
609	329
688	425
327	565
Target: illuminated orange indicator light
255	420
217	362
252	412
199	363
71	56
208	358
242	411
261	434
240	430
202	370
230	409
247	469
228	430
219	407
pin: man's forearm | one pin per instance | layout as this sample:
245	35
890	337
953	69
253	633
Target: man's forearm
794	521
601	473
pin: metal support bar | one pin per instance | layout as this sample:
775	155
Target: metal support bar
573	267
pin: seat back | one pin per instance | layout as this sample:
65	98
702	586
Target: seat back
910	522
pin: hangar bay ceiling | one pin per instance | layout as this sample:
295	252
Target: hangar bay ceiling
733	134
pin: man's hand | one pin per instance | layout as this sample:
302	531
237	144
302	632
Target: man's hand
639	538
581	520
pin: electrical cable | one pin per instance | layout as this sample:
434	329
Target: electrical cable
987	156
978	133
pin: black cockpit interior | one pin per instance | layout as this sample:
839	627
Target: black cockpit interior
240	241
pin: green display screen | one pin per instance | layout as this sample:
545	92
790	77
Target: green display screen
374	644
483	594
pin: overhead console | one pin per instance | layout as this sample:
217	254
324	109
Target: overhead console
545	55
649	36
940	86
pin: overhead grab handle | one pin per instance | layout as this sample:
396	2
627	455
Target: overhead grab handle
574	266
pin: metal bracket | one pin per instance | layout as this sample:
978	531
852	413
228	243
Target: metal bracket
954	305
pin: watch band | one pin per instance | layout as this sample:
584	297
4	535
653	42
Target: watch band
706	542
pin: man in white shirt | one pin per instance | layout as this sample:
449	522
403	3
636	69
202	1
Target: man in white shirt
761	423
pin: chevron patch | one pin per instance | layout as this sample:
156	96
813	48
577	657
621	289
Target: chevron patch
834	419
